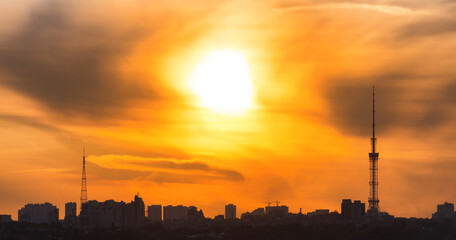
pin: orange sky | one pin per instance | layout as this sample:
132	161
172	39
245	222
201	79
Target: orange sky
114	76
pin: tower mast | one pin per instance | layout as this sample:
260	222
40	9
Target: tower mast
84	181
373	165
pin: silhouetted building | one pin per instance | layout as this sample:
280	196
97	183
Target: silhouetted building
246	215
322	211
358	210
113	214
103	214
353	211
175	213
318	212
182	213
277	211
230	211
135	213
259	212
39	213
346	208
154	213
444	212
385	218
219	217
194	214
5	218
70	210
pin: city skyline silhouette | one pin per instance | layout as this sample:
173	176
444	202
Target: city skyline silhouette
213	103
90	212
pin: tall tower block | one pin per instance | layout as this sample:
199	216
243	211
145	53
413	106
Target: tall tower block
373	165
84	181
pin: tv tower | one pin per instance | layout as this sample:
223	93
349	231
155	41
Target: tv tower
84	181
373	165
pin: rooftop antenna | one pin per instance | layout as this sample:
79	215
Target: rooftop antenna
83	181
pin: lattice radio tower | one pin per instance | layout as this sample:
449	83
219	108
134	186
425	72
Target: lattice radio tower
84	181
373	165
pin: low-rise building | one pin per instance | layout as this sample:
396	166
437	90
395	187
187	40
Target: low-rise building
154	213
175	213
70	210
5	218
110	213
277	211
194	214
259	212
318	212
355	210
444	212
39	213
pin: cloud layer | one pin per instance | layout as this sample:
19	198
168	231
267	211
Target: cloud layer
161	170
122	70
386	9
71	67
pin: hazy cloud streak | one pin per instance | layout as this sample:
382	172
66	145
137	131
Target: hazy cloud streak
386	9
166	170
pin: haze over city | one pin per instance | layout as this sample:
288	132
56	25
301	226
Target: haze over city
214	102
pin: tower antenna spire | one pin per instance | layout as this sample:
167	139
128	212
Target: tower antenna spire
83	181
373	111
373	165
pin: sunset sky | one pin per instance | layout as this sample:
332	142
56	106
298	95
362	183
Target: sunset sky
207	102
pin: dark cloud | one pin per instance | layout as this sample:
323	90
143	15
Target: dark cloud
428	28
61	135
190	165
276	187
160	170
11	191
69	67
30	122
450	92
398	104
440	21
107	174
433	177
169	177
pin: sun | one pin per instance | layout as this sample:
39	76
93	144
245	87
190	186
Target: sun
222	82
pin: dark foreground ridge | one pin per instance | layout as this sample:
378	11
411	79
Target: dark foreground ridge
238	230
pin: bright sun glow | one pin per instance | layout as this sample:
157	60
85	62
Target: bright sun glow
222	82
